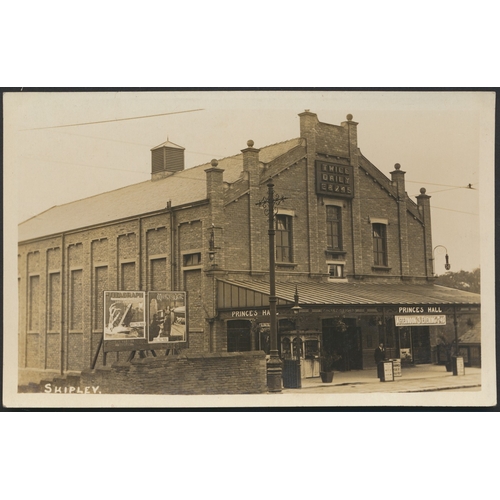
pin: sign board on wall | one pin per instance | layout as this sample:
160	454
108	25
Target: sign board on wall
420	320
136	320
166	317
334	180
124	315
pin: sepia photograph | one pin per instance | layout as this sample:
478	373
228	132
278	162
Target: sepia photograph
263	248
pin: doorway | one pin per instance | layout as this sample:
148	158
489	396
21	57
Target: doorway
239	336
346	343
414	344
421	344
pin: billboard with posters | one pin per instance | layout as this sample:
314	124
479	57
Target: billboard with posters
124	315
167	318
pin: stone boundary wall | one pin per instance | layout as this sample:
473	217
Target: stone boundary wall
196	373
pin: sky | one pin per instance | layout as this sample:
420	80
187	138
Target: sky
55	153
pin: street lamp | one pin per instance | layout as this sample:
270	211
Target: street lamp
447	264
296	308
274	368
212	249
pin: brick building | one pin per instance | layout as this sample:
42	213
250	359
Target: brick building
351	246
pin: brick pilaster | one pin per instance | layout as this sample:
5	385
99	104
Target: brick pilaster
308	124
398	178
352	134
251	167
424	206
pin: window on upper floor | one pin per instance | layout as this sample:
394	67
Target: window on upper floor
379	232
335	271
191	259
333	227
283	238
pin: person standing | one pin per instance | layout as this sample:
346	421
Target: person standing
379	358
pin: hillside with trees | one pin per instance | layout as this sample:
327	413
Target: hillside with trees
469	281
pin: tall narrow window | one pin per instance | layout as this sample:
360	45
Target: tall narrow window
379	245
33	304
333	228
283	238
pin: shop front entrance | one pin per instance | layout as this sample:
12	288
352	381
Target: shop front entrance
239	336
414	344
346	342
421	344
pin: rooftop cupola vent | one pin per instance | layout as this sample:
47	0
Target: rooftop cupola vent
166	159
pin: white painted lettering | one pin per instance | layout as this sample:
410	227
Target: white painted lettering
249	313
57	390
434	310
411	310
87	390
48	388
95	389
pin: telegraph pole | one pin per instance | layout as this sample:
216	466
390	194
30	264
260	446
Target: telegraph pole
274	365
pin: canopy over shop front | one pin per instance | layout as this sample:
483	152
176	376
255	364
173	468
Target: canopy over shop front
406	317
236	294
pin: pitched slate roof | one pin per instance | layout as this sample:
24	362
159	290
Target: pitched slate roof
472	336
362	293
182	187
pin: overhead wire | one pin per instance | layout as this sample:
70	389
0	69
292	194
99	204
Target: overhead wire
451	210
83	165
178	174
436	184
114	120
135	143
448	189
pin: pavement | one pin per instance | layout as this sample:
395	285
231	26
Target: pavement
418	378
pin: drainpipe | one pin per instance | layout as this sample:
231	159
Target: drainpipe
172	261
139	255
63	302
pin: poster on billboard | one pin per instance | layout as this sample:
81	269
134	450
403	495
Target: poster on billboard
124	315
167	317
